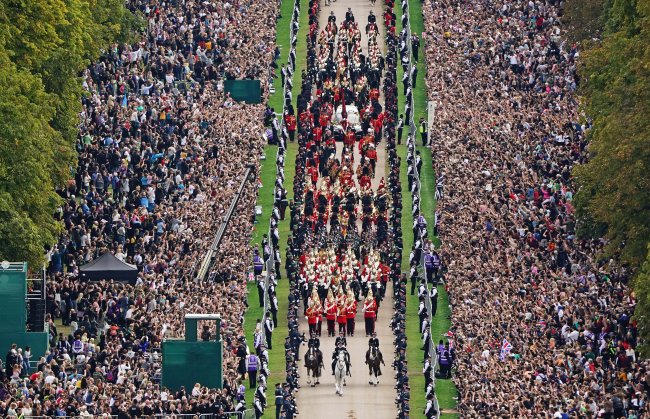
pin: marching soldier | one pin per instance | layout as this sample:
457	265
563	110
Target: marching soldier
342	317
330	312
370	313
351	311
312	317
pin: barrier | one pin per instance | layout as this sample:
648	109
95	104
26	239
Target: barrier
211	253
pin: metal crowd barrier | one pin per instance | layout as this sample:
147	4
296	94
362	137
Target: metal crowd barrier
212	251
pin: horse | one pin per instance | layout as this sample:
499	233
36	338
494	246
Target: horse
340	369
313	363
373	359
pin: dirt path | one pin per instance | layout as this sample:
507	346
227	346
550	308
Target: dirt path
360	399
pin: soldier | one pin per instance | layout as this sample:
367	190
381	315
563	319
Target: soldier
314	342
330	312
351	310
340	340
312	318
341	317
340	347
279	400
370	313
373	341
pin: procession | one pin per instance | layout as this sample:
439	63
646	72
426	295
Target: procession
324	208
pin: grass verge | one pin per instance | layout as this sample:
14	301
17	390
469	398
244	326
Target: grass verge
265	199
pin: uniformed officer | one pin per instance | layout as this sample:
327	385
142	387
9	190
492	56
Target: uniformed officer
340	340
429	410
373	341
268	329
340	347
289	408
314	342
260	394
279	400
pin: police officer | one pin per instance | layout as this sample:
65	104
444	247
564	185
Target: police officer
259	408
268	329
260	394
429	410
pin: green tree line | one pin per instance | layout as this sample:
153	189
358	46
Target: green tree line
614	196
44	47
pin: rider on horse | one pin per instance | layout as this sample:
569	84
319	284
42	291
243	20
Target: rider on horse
374	356
373	341
340	347
340	339
314	341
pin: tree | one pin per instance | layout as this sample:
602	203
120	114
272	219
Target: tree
613	198
44	46
27	148
642	310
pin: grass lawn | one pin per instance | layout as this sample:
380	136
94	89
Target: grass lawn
283	42
265	199
445	389
420	91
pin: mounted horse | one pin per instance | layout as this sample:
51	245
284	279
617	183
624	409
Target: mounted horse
314	364
340	370
373	359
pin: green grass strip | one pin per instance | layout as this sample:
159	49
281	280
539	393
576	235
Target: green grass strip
266	198
283	42
420	91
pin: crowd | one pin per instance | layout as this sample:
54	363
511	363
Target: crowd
542	327
161	151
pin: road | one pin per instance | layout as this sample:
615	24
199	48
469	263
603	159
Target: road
360	399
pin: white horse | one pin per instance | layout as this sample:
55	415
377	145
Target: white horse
340	369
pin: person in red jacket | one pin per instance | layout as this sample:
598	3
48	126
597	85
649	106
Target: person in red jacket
370	313
319	316
312	171
342	317
351	309
312	319
371	154
290	122
330	313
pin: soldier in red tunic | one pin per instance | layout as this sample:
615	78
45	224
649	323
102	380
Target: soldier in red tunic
370	313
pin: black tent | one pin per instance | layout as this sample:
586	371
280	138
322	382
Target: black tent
108	266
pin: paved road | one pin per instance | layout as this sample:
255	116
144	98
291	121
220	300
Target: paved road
360	399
